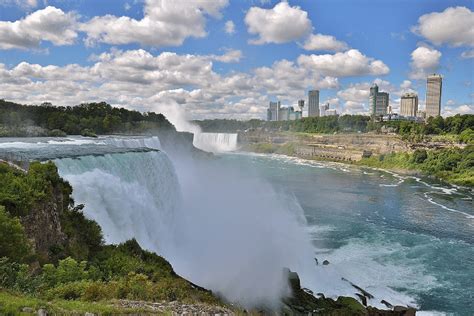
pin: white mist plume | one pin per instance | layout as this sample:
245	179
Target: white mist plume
221	228
176	114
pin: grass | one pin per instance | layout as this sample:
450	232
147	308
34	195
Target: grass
12	304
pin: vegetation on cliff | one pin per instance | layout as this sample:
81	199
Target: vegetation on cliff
86	119
68	262
455	165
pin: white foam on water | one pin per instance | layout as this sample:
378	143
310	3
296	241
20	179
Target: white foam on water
431	200
366	266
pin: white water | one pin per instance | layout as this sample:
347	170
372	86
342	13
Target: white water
215	142
233	237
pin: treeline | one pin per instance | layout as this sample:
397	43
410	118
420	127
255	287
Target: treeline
87	119
75	271
325	124
462	125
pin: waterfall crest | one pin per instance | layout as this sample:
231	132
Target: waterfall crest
216	142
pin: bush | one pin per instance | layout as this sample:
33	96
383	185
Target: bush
419	156
13	242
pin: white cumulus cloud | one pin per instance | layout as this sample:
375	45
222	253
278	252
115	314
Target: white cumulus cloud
424	60
229	27
280	24
49	24
165	23
324	42
349	63
453	26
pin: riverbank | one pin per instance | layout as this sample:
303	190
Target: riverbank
448	162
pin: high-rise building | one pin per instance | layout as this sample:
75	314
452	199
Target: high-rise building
434	85
378	101
323	109
409	104
273	112
313	103
301	105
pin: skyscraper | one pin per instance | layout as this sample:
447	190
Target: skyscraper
378	101
313	103
434	85
273	112
409	104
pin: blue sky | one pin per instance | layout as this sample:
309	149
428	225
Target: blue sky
176	56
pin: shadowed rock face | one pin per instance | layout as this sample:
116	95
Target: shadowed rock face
304	303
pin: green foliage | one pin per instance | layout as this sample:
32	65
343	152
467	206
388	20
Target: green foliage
419	156
467	136
87	119
13	241
455	165
326	124
19	191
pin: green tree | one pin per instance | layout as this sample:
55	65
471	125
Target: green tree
13	241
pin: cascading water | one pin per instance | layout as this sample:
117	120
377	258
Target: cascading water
215	142
130	195
231	236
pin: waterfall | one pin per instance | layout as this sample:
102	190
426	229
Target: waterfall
215	142
130	195
148	142
219	227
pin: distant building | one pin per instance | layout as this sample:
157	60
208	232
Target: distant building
323	108
378	101
273	112
434	85
313	103
330	112
289	114
421	114
301	105
409	104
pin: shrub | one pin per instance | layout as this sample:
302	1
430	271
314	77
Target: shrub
419	156
13	241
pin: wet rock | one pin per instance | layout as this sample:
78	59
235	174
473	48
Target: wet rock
325	262
42	312
363	299
28	310
405	311
386	303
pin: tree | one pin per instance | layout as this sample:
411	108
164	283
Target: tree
13	241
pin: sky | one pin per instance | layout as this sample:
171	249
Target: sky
229	58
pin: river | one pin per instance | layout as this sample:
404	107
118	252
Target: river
230	223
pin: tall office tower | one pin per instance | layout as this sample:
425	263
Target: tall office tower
313	103
378	101
409	104
273	112
301	104
434	85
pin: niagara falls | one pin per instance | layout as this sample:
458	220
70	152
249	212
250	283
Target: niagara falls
237	158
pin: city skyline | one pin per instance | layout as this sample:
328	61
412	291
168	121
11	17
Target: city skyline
229	59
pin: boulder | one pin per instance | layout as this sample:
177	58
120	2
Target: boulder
325	262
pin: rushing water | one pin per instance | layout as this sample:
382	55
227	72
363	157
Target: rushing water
232	222
215	142
403	238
